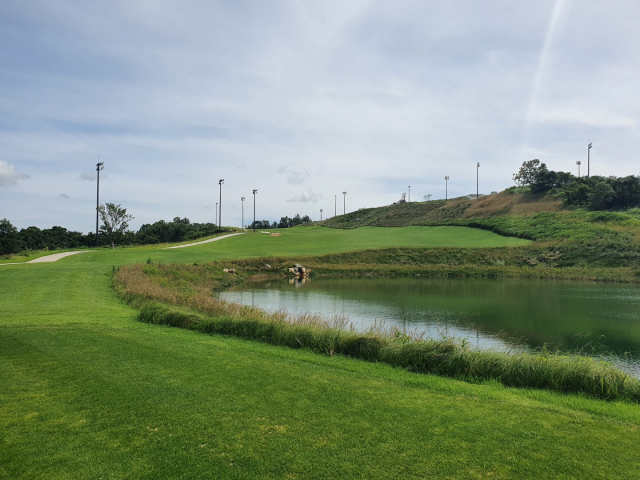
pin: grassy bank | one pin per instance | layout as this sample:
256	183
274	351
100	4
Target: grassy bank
191	286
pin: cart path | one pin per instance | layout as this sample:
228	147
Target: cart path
57	256
49	258
207	241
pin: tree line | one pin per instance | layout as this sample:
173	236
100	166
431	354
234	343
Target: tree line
285	222
591	193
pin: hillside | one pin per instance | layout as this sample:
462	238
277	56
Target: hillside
562	237
438	211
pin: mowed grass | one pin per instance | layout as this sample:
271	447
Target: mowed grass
88	392
307	241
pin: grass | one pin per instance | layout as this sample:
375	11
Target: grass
191	286
584	239
86	391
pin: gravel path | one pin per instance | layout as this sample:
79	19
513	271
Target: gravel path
49	258
207	241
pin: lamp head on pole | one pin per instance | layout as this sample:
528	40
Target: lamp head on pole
242	199
446	177
344	193
478	165
590	145
221	181
100	166
255	191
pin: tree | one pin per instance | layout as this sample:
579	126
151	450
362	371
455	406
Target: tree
115	221
427	197
9	239
529	172
601	196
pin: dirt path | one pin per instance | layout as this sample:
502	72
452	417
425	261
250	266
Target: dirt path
49	258
207	241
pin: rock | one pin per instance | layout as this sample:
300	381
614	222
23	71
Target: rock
267	266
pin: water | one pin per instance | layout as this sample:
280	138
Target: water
603	320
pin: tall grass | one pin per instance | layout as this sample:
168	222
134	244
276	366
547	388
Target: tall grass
445	357
181	296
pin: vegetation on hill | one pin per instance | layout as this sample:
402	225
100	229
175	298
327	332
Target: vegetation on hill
592	193
566	238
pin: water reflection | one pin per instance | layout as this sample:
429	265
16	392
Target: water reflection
599	318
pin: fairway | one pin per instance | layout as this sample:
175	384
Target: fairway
86	391
307	241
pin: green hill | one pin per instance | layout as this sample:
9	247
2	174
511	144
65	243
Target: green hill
562	237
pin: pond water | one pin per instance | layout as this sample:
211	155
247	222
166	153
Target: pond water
602	319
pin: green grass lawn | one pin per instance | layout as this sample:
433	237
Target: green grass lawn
310	241
88	392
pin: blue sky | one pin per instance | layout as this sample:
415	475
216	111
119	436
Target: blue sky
303	100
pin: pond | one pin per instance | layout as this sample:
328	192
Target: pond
601	319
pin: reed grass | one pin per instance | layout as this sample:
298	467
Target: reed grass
445	356
176	295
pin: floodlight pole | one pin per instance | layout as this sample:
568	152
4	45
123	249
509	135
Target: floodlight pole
320	214
446	187
578	163
99	166
477	174
335	205
220	182
409	193
344	205
216	214
254	209
242	200
588	159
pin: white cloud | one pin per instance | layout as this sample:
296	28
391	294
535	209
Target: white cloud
294	177
589	117
9	175
309	196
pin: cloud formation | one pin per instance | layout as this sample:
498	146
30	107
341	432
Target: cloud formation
9	175
309	196
294	177
359	96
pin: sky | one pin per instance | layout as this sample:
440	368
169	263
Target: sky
303	100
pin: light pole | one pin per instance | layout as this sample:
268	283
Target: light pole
335	205
409	193
578	163
220	182
242	200
344	205
446	186
477	173
588	159
216	213
321	214
99	166
254	209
